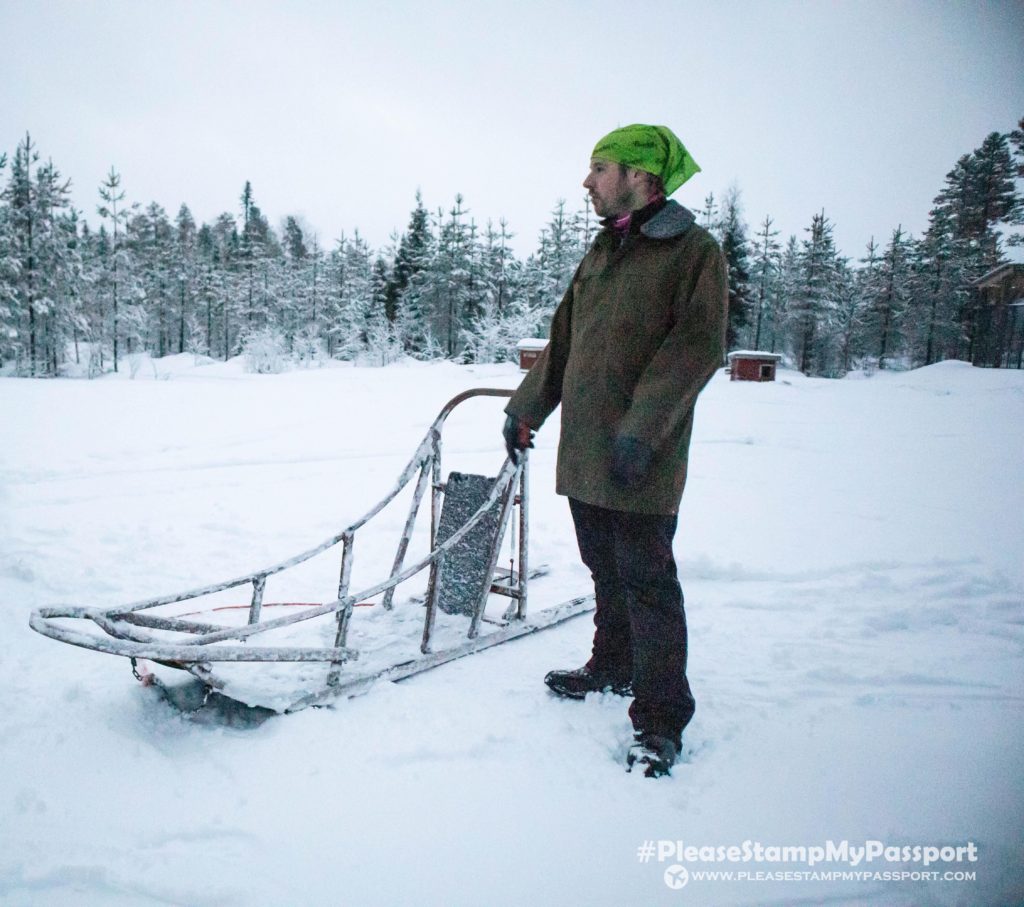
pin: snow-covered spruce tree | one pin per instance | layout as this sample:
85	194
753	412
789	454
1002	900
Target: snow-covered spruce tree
247	251
853	318
447	293
258	254
302	294
708	217
42	264
316	279
66	324
150	237
834	363
351	282
813	307
335	296
311	335
506	316
95	298
59	270
228	286
994	174
185	276
358	329
205	295
979	193
764	275
381	276
558	251
23	267
549	271
297	277
23	228
887	306
413	255
417	302
736	248
787	329
780	328
584	226
9	268
940	292
504	273
459	287
476	282
119	266
1016	217
382	343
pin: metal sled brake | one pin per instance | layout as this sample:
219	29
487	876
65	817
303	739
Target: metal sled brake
468	519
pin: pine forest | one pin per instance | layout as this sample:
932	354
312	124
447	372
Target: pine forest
85	296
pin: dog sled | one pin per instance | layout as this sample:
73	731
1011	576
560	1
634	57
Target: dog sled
303	654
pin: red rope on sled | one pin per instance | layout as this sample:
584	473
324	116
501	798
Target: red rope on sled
268	605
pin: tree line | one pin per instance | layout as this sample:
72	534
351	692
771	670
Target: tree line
907	302
82	298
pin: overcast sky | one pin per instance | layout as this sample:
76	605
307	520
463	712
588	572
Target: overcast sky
338	111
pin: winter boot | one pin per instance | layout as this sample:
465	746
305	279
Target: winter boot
656	754
576	684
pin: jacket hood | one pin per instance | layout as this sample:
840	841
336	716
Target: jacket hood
671	221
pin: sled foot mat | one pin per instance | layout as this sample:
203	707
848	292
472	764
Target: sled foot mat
464	573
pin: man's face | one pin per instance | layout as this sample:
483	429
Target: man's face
612	192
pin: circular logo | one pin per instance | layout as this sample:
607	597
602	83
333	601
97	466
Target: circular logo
676	876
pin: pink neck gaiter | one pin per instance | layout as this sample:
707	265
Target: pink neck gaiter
621	224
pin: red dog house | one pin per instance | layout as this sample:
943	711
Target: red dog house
752	365
529	349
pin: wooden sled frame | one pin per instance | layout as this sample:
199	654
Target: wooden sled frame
128	630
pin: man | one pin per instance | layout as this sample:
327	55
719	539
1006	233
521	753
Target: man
638	334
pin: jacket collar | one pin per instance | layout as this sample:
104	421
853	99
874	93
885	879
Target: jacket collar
632	221
671	221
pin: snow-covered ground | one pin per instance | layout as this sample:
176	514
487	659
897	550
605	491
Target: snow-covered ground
851	555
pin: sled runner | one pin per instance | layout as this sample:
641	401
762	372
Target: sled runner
469	518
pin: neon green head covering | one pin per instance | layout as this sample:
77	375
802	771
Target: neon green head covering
653	149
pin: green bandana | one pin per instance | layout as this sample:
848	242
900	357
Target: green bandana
653	149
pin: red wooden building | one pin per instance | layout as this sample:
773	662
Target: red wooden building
529	350
752	365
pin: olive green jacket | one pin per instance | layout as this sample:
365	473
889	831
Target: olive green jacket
638	334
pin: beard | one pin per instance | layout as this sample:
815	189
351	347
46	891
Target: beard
614	204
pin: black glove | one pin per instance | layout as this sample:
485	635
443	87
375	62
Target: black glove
518	436
631	461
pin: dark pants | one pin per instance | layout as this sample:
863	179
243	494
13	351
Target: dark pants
640	624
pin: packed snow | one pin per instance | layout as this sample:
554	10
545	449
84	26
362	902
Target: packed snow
850	552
